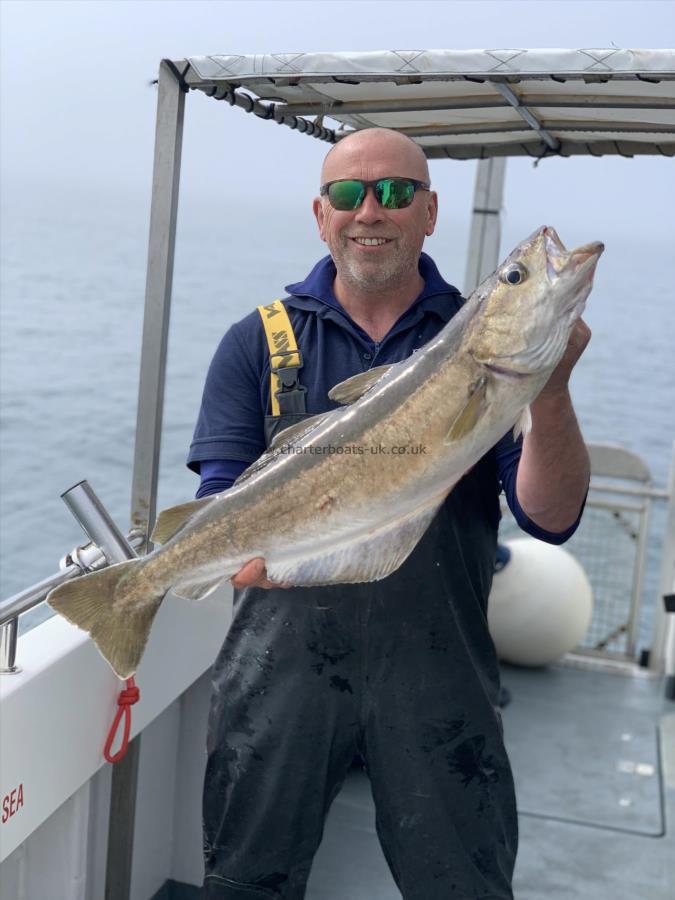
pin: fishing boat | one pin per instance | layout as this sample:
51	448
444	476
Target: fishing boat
591	736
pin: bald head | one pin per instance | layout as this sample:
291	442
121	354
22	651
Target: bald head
372	153
390	264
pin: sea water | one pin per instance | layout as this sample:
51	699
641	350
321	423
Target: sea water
72	295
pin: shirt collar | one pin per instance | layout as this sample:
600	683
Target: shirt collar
318	286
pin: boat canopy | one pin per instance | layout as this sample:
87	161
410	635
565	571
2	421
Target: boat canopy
461	104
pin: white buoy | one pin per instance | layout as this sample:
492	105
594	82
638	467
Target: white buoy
540	604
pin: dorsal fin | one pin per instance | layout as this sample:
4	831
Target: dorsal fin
170	521
352	388
292	434
256	466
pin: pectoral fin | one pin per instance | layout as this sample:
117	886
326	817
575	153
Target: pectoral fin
474	408
352	388
523	425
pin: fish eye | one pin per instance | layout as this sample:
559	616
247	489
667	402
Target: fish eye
515	273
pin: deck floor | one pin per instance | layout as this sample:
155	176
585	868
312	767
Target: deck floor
593	755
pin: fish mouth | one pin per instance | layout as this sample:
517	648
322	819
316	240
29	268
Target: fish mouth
560	262
583	260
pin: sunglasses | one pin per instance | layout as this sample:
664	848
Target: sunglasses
392	193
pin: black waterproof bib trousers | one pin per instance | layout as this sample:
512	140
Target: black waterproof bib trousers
402	671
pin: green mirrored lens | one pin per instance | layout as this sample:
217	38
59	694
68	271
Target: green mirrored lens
395	193
346	194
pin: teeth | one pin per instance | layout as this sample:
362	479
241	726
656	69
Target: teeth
371	242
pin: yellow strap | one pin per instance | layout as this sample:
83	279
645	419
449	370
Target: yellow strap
281	343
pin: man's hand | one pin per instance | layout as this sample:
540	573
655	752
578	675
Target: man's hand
254	574
577	343
554	467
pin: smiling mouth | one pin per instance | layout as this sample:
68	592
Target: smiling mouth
371	242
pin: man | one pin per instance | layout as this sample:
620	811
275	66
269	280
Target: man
401	671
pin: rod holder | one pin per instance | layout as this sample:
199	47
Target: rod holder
107	546
97	524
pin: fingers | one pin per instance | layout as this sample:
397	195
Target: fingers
577	342
580	336
587	334
250	574
254	574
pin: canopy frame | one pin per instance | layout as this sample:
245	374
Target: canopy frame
355	88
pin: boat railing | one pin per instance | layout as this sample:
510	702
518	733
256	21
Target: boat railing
612	544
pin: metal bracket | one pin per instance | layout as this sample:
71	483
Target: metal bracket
98	525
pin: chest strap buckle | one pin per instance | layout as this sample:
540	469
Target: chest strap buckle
286	364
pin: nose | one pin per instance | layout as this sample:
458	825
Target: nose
370	210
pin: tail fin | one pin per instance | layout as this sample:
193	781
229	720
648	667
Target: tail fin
119	630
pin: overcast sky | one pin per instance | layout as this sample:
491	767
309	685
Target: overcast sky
77	110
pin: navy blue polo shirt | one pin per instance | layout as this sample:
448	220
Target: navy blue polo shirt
230	434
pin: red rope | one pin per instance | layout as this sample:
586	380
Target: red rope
125	701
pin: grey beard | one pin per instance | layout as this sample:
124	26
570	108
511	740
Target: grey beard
376	279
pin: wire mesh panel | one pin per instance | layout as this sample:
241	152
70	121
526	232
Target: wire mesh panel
607	544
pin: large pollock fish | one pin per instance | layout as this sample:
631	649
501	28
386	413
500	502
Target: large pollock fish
343	497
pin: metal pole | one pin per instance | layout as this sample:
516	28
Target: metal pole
30	597
168	141
525	113
662	656
8	635
485	222
638	575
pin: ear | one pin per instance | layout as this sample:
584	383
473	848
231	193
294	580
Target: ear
317	209
432	213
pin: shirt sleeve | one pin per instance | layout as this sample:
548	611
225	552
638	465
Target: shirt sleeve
230	425
218	475
508	453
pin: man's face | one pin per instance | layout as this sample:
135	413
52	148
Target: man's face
401	232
